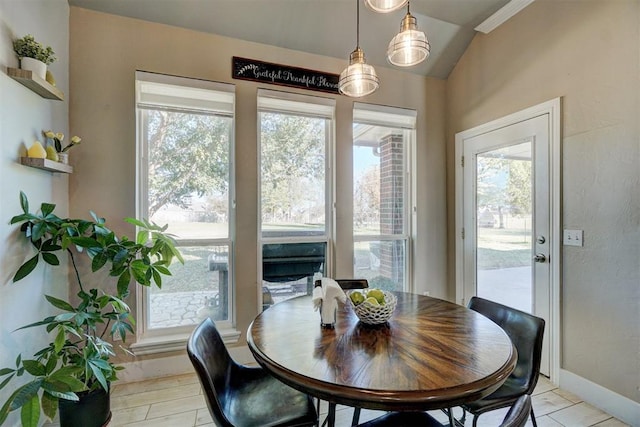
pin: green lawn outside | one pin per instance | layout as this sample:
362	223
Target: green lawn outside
497	248
503	248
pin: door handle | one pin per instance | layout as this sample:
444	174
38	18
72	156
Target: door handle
540	258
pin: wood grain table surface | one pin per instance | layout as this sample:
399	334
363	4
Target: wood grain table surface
431	354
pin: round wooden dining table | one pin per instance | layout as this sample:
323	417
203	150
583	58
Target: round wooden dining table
431	354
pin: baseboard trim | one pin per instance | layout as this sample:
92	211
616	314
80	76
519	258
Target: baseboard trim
174	365
619	406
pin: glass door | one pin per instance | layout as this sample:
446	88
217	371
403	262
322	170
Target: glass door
506	218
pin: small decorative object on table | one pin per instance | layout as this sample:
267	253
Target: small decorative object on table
326	296
375	308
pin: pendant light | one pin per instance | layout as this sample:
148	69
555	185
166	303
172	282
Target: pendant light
385	6
410	46
359	78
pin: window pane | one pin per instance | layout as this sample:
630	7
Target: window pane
382	263
196	290
378	180
380	215
188	178
188	183
292	151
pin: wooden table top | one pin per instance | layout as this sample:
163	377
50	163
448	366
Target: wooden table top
431	354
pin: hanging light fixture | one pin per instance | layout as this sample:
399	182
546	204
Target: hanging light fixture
359	78
385	6
410	46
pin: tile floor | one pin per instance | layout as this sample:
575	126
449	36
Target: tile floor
178	402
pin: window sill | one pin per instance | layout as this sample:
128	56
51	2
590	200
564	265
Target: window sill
175	342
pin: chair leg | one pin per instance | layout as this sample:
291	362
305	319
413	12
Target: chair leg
331	416
356	417
464	416
452	420
533	419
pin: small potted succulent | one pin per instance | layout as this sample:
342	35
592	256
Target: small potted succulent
72	374
33	55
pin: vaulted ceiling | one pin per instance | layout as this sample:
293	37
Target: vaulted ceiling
323	27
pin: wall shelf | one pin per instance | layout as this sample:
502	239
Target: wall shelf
35	83
46	164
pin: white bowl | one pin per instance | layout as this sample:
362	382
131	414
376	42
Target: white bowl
376	314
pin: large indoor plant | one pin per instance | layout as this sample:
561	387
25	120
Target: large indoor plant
77	360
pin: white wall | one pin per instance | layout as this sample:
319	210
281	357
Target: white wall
23	116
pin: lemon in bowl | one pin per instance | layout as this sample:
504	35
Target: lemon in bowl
376	308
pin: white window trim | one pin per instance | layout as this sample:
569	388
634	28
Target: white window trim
395	117
302	105
162	88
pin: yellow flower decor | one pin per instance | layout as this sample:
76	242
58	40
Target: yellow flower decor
58	138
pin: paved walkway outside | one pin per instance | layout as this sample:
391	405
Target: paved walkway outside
181	308
508	286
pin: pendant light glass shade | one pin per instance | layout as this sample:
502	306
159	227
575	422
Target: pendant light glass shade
410	46
385	6
359	78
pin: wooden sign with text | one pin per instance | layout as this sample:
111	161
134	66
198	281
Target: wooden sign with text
267	72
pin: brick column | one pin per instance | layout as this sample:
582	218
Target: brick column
391	205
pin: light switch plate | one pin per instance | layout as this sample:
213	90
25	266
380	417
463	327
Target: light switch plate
572	238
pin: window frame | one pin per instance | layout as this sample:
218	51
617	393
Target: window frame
281	102
405	119
155	340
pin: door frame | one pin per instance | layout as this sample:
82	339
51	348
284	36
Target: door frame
553	110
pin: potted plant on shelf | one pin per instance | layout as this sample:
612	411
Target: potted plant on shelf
33	55
56	151
74	371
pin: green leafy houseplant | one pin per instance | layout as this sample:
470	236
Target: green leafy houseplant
77	358
28	47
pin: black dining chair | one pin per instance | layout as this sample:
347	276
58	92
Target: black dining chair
347	285
526	331
244	396
516	417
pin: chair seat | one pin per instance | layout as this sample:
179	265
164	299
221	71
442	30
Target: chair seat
526	332
263	401
403	419
243	396
508	393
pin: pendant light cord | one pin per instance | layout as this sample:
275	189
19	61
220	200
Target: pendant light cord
357	24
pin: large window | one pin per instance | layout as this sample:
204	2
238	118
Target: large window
382	146
185	140
295	138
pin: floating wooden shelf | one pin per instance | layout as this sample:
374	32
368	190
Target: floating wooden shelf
46	164
35	83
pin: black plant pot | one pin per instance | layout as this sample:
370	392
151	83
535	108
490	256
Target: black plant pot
92	410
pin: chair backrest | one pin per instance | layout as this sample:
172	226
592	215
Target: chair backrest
213	364
525	331
518	413
348	284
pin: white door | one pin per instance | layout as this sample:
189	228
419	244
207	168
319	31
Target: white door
506	218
